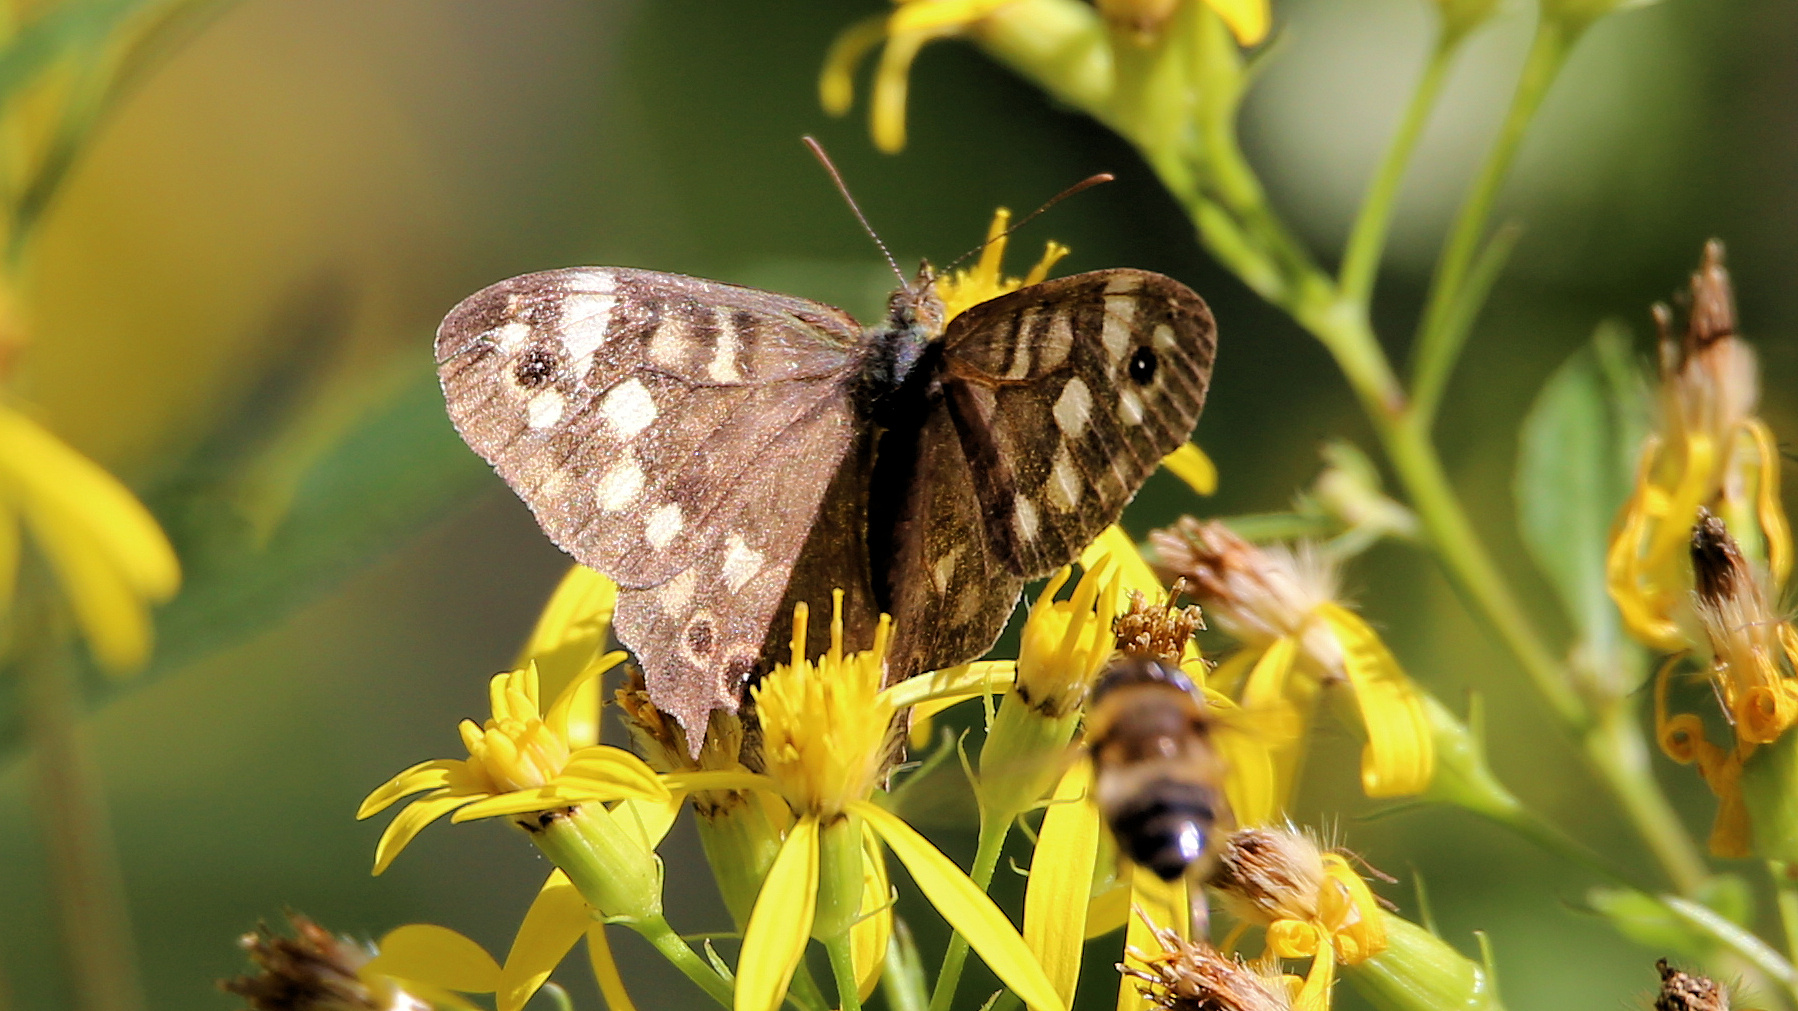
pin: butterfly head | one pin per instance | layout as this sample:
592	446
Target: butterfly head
914	319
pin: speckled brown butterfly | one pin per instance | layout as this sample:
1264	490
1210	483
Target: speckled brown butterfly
724	452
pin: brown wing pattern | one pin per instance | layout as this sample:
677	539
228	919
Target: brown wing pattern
673	433
1066	395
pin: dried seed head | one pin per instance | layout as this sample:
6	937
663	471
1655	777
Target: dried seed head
1159	631
1713	310
314	970
1256	593
1719	571
1682	991
1194	976
1268	874
663	742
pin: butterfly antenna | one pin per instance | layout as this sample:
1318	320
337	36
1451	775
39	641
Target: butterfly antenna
843	188
1085	184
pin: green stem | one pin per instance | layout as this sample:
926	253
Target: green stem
677	951
1361	258
1439	341
842	966
84	870
903	980
986	859
1785	887
1751	949
1614	746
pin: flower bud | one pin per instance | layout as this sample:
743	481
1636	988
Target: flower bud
1419	971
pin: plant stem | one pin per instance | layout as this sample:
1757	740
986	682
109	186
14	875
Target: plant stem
677	951
1361	258
1614	747
84	870
842	966
993	831
1439	340
1785	887
903	981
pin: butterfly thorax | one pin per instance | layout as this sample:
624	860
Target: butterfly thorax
896	345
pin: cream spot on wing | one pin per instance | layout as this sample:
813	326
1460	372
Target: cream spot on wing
1130	407
943	569
1064	481
511	338
1019	366
1164	337
628	407
741	562
545	409
1123	284
1073	407
622	483
1056	342
1023	517
676	593
723	368
664	526
668	345
585	319
1120	313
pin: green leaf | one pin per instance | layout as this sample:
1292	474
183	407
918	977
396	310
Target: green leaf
1576	460
1726	905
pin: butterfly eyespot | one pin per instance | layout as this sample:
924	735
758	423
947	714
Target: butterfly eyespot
699	637
1142	366
535	367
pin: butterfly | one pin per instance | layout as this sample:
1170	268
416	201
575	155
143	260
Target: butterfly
724	452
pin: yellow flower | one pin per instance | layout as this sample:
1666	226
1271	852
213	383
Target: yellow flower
1753	654
826	726
1710	451
914	23
963	289
522	760
1281	605
432	959
98	541
1312	904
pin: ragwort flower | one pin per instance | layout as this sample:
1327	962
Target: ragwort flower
1040	25
1710	451
1753	657
825	732
1297	640
1312	904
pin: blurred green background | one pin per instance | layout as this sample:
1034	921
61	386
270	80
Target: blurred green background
296	198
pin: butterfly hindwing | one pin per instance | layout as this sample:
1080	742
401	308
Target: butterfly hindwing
675	434
1066	395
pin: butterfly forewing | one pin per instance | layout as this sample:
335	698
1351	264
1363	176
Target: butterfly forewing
1066	395
673	433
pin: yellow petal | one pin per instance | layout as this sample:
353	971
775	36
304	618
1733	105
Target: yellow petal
61	481
652	819
696	782
1248	19
1163	904
1108	911
1061	878
430	775
836	82
1251	783
573	628
1768	507
574	715
891	82
1135	573
409	822
605	970
868	938
9	556
1400	756
781	922
438	956
1190	464
558	917
113	618
941	15
966	908
952	685
548	798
